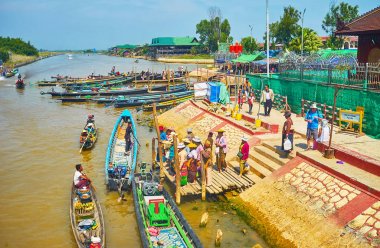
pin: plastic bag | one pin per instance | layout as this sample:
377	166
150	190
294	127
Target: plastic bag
287	144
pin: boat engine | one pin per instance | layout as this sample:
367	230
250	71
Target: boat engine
149	189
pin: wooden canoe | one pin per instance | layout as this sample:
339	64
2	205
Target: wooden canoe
91	211
119	166
89	142
167	104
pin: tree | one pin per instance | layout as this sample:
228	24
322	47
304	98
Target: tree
343	12
248	46
4	56
213	30
18	46
285	29
311	41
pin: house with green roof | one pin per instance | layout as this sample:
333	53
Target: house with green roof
172	45
126	48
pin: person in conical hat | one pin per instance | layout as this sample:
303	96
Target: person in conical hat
221	150
190	134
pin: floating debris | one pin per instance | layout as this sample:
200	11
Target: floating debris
204	220
218	239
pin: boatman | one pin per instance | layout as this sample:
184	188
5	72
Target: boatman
90	119
127	137
80	179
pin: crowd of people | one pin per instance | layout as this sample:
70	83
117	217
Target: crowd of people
193	152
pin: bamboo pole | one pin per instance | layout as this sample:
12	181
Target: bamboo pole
177	172
162	175
197	73
203	178
154	153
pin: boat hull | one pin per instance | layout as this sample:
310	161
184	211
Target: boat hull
186	235
90	143
166	97
97	216
119	166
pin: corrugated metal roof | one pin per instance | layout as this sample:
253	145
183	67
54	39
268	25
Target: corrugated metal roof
174	41
367	23
126	46
247	58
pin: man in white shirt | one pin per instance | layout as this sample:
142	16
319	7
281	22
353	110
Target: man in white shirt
267	97
80	179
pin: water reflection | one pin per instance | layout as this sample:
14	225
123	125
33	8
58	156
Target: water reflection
39	146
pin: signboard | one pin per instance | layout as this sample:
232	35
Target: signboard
347	118
350	117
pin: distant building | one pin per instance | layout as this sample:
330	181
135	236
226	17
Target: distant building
277	46
172	45
349	42
367	28
124	49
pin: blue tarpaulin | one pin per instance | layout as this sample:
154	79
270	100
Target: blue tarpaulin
213	92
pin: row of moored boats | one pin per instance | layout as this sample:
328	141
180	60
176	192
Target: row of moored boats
123	91
160	222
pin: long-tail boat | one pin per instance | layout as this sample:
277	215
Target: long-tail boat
120	164
160	222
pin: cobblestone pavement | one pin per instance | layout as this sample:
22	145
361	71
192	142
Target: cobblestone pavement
207	123
318	189
367	224
190	112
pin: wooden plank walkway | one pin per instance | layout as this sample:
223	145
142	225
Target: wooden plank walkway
221	182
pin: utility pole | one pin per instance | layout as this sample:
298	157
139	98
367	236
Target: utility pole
251	27
267	40
303	14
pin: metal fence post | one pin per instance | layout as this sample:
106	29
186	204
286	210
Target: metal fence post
329	76
366	76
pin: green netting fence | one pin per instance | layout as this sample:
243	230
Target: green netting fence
347	99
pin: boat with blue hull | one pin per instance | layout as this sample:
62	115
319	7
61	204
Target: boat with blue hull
119	165
135	102
151	94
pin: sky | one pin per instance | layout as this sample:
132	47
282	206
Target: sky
100	24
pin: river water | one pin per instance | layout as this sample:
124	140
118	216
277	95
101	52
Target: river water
39	146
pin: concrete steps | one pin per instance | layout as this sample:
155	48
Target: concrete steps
263	160
254	177
272	155
299	145
258	168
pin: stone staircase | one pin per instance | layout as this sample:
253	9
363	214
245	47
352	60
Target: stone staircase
267	158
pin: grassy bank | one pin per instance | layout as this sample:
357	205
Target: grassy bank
17	59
